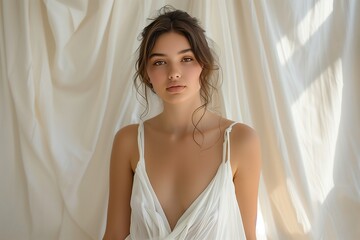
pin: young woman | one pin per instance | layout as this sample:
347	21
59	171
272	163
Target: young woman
187	173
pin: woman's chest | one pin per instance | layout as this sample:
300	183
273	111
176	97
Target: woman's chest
179	172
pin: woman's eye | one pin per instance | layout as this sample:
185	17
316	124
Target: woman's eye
187	59
158	63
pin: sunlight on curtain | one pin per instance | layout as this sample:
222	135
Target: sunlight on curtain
318	131
314	19
289	69
308	26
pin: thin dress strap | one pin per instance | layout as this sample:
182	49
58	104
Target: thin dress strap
226	145
140	140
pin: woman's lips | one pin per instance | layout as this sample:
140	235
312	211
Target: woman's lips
175	89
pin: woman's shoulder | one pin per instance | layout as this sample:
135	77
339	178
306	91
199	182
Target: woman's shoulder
245	143
127	133
126	137
125	143
242	131
239	130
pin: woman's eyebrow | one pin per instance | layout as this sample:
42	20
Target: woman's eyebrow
163	55
185	50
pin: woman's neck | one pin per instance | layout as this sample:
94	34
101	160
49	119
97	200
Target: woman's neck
179	119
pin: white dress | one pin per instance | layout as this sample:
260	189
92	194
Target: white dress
213	215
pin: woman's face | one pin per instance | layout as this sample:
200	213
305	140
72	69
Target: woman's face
173	69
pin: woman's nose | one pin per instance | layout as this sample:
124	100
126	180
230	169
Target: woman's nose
174	73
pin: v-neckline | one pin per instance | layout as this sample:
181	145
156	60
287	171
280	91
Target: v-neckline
191	206
224	160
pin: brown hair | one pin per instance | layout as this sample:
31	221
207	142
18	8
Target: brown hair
171	20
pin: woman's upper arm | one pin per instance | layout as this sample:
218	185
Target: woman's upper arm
247	156
120	186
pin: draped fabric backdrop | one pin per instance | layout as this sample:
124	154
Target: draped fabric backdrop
290	69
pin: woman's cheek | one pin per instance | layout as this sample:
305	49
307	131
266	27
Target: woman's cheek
156	76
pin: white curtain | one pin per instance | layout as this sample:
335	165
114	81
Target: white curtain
290	69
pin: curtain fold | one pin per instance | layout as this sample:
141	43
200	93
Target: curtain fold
288	68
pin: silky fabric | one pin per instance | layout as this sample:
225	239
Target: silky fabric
214	214
289	69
